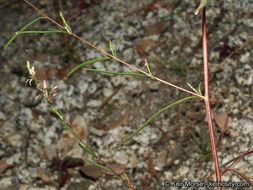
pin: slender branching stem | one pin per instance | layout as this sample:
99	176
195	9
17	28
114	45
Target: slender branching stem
237	160
79	140
135	68
207	101
242	175
43	89
113	57
205	97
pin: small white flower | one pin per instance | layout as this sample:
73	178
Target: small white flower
32	71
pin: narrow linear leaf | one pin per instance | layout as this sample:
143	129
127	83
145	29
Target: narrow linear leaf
63	117
200	88
118	73
32	22
129	182
151	118
149	70
67	27
28	65
70	130
192	87
56	111
116	47
88	62
88	150
99	165
127	178
60	113
110	44
21	30
43	32
63	121
148	67
201	6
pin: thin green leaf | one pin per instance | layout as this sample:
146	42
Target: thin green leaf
57	112
149	70
201	6
151	118
88	62
110	44
43	32
60	113
63	117
70	130
116	47
63	120
99	165
21	30
118	73
200	88
88	150
67	27
28	65
192	88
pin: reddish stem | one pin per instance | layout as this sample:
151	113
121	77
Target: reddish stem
237	160
242	175
109	55
207	102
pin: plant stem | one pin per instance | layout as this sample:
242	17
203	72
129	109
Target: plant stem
135	68
242	175
80	141
113	57
237	160
207	101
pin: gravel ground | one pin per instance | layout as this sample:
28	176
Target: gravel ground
38	153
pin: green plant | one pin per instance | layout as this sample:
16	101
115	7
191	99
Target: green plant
195	93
